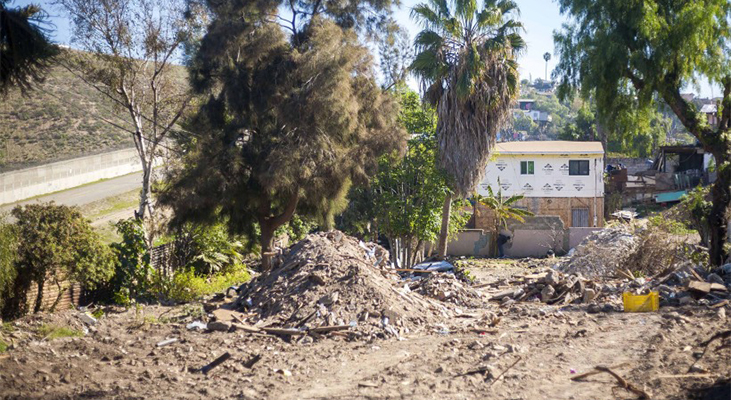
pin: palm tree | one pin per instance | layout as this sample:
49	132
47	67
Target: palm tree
467	65
502	210
25	49
547	57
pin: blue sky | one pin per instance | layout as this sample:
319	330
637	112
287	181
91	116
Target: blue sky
540	18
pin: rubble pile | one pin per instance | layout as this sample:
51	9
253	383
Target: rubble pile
449	288
552	287
601	254
333	280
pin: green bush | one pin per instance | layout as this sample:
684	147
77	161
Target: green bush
133	272
208	249
188	286
8	256
57	245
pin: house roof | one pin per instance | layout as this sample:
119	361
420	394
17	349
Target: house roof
709	109
549	147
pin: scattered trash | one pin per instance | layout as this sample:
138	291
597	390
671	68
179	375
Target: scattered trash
640	303
87	318
197	325
218	361
166	342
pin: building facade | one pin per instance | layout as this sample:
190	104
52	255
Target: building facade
557	178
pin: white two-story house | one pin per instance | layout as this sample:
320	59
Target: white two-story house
558	178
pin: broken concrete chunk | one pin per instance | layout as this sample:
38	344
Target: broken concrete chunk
547	293
220	326
589	295
87	318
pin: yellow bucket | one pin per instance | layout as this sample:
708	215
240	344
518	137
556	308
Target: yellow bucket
640	302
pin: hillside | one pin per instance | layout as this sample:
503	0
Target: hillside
64	118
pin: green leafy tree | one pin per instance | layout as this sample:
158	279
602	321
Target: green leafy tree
133	268
502	210
286	128
467	62
131	47
409	190
25	50
522	122
628	53
57	245
583	128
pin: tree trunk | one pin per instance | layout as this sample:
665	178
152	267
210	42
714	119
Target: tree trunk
269	224
717	221
266	240
446	210
61	291
39	295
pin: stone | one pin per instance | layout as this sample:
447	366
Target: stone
547	293
594	309
715	278
476	345
589	295
721	313
553	278
686	301
219	326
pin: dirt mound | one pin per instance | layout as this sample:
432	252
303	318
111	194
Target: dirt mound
330	279
448	288
602	253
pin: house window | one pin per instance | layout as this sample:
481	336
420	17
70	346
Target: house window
580	217
527	168
578	167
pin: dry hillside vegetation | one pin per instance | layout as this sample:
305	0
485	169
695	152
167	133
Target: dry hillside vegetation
63	118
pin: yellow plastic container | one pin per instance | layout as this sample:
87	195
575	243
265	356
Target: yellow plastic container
640	302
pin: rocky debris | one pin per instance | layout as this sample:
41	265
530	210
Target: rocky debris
602	253
448	288
551	287
332	280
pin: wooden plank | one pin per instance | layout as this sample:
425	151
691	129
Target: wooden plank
414	270
700	287
324	329
680	376
720	304
283	331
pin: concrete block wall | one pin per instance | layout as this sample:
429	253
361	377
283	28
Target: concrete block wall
534	238
26	183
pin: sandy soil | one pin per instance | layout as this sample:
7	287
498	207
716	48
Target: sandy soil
545	345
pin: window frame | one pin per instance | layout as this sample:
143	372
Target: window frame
530	167
579	163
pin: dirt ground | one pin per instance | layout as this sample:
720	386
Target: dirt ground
532	353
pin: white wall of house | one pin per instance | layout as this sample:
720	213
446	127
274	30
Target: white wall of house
550	176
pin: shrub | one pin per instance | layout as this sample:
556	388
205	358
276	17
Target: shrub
188	286
57	245
133	270
208	249
8	256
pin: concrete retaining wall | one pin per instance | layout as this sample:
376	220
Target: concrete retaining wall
26	183
532	239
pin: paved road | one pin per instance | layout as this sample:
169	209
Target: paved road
87	194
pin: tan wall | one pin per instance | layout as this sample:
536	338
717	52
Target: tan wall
557	206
